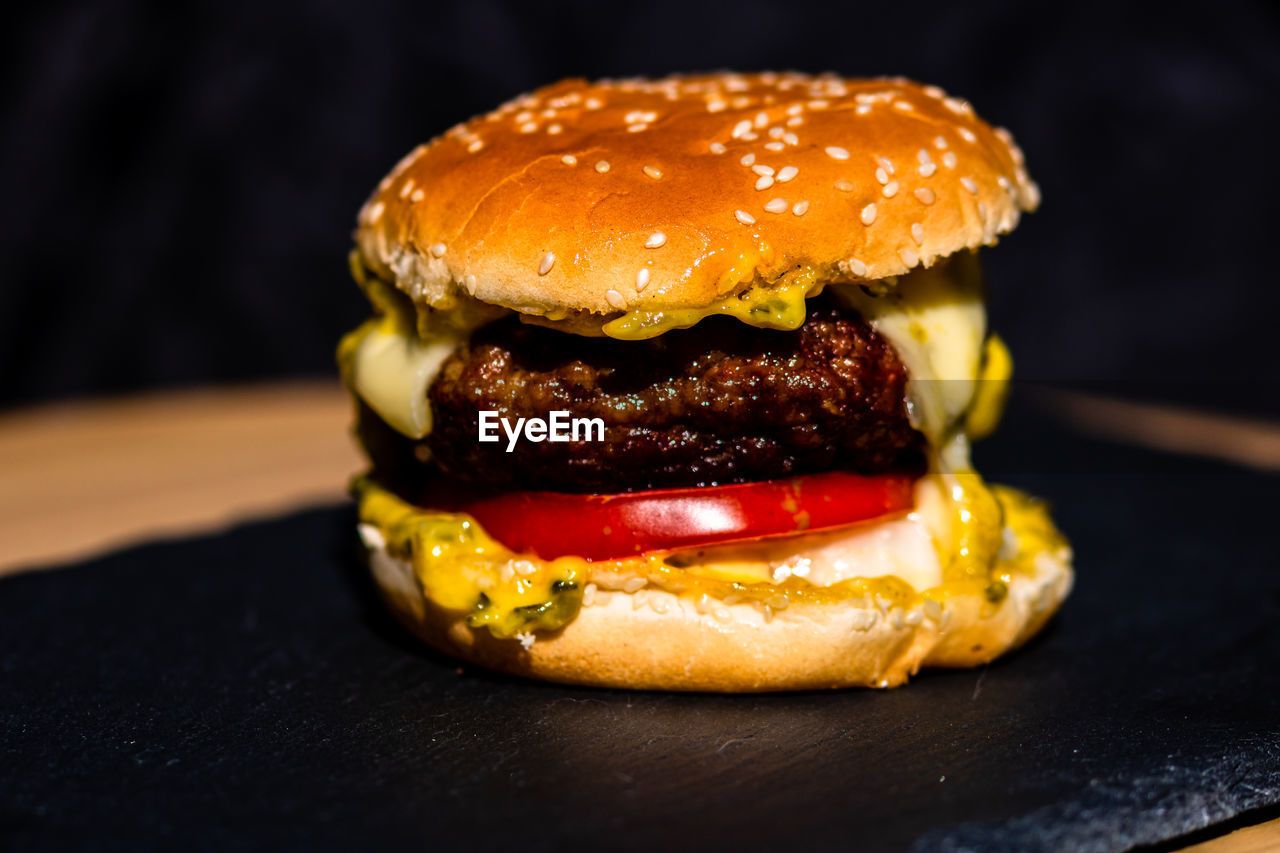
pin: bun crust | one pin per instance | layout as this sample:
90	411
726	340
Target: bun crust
623	643
652	195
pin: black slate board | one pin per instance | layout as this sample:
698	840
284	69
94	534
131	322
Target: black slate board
246	690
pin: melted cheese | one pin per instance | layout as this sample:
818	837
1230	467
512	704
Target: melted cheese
936	321
391	360
391	370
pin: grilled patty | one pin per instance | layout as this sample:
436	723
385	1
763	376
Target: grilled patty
722	402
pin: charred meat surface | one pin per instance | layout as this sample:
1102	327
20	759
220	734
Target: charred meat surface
721	402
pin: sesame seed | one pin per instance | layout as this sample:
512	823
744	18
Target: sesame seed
882	176
777	205
741	128
786	173
656	240
795	109
653	172
956	105
982	211
592	103
923	156
750	137
775	146
554	128
716	106
844	186
547	262
717	148
418	195
642	279
602	166
934	92
636	128
940	143
475	145
1032	194
917	233
407	188
776	132
857	267
835	152
744	217
967	134
616	299
524	116
764	182
818	104
903	105
761	169
470	284
529	127
949	159
762	118
795	121
747	159
569	160
970	184
790	139
800	208
890	189
375	212
927	169
1004	183
925	195
862	109
909	257
869	214
887	163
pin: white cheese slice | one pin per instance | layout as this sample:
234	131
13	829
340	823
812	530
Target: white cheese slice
392	370
936	321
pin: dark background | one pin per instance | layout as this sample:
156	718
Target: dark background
178	183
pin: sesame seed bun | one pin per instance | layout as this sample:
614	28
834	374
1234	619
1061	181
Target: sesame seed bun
584	200
627	641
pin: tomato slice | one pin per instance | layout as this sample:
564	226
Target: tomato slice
603	527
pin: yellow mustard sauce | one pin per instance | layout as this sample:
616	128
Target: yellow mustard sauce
992	389
779	307
461	568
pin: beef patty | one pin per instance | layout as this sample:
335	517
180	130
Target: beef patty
722	402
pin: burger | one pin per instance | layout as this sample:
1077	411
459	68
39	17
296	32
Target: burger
671	384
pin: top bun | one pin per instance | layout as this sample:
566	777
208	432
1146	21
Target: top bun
598	198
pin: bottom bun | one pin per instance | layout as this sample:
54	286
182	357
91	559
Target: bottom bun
625	640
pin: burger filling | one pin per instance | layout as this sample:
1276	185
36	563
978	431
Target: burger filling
719	403
780	456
